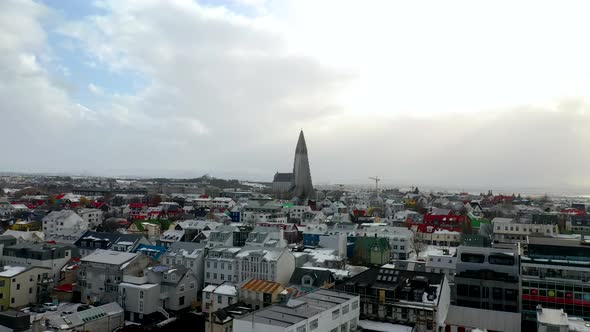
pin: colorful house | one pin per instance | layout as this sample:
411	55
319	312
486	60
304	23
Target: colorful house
371	251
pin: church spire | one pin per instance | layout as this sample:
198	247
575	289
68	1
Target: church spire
303	188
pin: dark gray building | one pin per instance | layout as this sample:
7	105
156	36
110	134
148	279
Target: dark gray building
487	278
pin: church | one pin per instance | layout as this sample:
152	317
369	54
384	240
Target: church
296	185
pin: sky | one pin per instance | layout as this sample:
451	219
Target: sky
453	93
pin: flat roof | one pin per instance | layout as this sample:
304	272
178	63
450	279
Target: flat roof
109	257
297	310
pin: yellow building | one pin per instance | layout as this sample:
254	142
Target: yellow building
21	286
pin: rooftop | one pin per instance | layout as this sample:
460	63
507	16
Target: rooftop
109	257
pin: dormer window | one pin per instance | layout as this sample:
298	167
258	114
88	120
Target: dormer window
307	280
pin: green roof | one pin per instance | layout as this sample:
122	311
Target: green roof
366	243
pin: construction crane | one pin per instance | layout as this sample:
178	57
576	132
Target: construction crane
376	179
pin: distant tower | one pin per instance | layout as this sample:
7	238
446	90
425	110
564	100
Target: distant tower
303	188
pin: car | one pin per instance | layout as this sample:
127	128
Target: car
50	306
67	312
83	307
38	309
26	310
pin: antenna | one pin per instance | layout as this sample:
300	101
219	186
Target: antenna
376	179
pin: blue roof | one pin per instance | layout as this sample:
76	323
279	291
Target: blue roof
152	251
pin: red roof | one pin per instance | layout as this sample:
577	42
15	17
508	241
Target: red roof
60	196
64	288
136	205
97	205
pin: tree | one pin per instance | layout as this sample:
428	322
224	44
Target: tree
417	244
84	201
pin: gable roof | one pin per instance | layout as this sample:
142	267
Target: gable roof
260	285
319	277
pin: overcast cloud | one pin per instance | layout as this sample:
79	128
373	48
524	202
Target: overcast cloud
414	96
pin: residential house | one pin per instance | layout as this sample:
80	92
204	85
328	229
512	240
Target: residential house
216	297
151	251
52	256
92	241
400	238
266	237
21	285
273	264
66	236
26	236
169	237
101	272
323	310
309	279
220	265
189	255
57	221
259	293
178	286
222	320
222	203
91	216
371	251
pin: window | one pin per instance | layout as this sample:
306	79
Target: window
182	288
181	300
209	264
501	260
335	313
306	280
313	325
214	275
221	276
301	328
207	295
228	277
345	309
472	258
219	298
141	294
214	265
140	306
30	290
355	305
17	286
192	285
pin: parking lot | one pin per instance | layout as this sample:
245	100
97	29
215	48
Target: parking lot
73	307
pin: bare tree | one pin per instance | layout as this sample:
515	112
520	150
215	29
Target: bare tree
417	244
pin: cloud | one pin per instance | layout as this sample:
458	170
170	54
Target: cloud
226	94
95	89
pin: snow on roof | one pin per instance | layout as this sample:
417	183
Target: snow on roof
11	271
446	231
209	289
141	286
226	289
436	251
322	255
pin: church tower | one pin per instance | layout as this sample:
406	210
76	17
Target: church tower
302	186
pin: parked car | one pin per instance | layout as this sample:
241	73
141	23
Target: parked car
83	307
67	312
26	310
38	309
50	306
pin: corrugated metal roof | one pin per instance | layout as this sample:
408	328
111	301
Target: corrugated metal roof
260	285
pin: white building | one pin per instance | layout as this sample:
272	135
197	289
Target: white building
507	231
64	219
323	310
220	265
297	212
223	203
240	264
218	297
92	216
400	238
188	254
